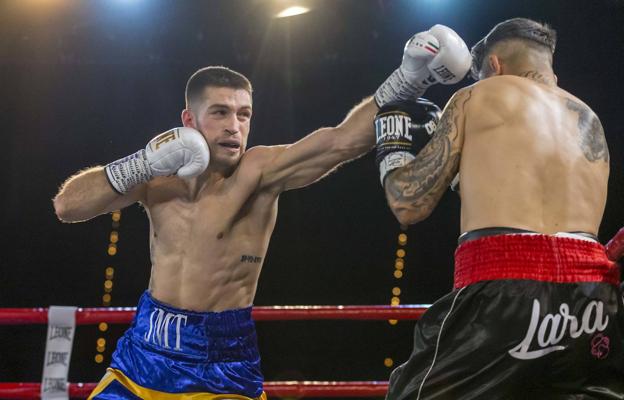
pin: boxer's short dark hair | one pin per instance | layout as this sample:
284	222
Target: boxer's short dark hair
516	28
215	76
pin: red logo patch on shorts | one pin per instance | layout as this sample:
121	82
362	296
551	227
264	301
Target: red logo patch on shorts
600	346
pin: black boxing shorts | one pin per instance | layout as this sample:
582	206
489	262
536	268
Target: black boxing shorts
531	317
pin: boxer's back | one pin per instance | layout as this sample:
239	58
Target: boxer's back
534	157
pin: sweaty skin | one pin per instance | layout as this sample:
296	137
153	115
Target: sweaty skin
530	155
209	235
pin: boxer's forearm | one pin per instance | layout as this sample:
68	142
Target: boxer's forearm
355	135
86	195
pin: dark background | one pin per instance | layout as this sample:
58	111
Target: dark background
86	82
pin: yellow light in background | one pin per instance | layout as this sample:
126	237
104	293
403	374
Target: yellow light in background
109	273
292	11
399	264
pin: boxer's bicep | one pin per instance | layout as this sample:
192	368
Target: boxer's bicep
320	152
414	190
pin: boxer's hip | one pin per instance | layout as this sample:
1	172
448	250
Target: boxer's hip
181	351
561	258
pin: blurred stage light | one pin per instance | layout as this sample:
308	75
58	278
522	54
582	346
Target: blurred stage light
292	11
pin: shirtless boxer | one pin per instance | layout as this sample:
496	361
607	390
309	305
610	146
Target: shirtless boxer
535	311
212	207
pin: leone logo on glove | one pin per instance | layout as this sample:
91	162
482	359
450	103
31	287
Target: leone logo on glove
393	126
444	73
166	137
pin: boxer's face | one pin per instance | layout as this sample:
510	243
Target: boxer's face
223	116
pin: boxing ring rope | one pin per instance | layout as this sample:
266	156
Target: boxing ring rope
120	315
273	389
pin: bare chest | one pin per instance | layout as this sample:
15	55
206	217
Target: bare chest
216	214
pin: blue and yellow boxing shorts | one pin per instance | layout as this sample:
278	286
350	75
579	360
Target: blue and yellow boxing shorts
177	354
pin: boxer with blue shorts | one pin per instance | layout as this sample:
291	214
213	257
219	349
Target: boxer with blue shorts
168	352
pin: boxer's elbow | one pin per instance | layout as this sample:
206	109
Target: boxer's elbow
61	208
64	210
408	214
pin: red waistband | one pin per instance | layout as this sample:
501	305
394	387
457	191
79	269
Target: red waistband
535	257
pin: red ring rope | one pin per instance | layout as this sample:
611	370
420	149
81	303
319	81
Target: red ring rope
84	316
120	315
10	390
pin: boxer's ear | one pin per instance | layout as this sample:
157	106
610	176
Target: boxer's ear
495	65
188	118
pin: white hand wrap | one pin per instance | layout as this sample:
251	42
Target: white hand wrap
128	172
455	183
393	161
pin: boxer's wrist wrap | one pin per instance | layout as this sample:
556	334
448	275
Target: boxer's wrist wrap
455	184
397	87
126	173
393	161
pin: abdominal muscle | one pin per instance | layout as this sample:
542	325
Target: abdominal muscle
206	255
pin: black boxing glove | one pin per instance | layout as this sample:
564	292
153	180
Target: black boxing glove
402	129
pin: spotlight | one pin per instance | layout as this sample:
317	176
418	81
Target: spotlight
292	11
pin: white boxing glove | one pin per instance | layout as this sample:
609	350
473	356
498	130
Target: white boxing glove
411	79
453	60
437	55
180	151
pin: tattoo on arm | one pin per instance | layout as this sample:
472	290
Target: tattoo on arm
592	138
245	258
422	182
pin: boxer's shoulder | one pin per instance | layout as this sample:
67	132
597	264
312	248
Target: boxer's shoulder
502	93
259	157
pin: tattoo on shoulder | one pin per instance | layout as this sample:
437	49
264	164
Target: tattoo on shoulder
592	138
245	258
416	183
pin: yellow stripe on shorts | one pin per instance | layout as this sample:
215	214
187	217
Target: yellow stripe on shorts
150	394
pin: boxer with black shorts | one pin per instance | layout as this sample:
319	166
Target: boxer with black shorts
536	311
212	207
